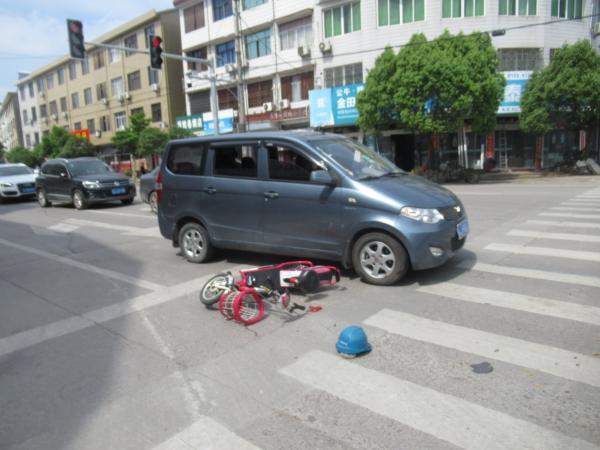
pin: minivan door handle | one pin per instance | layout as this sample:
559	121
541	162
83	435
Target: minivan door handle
210	190
271	194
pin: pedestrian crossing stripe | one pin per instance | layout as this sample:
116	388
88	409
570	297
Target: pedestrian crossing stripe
562	223
544	251
570	215
554	236
575	208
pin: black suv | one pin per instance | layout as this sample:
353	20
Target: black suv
82	181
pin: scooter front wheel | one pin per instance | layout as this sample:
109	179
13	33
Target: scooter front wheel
215	288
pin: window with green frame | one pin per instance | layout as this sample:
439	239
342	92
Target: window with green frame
451	8
567	8
518	7
391	11
473	8
252	3
462	8
342	19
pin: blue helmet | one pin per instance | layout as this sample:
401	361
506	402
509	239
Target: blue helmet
353	341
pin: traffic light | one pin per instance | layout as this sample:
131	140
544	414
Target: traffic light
76	45
155	52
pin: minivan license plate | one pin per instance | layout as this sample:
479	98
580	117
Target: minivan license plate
119	190
462	229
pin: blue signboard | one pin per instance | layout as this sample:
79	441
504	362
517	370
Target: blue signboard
225	122
334	106
321	114
513	90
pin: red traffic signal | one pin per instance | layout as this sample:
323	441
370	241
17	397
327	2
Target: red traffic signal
76	43
155	52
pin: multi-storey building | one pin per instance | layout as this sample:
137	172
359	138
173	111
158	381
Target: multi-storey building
290	47
10	122
29	112
102	91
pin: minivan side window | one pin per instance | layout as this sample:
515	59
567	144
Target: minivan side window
236	161
287	164
187	159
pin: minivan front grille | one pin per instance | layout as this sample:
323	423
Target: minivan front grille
452	213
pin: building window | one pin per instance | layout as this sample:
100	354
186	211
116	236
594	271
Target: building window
148	31
104	123
519	59
116	86
342	19
294	34
295	88
252	3
53	108
101	91
40	85
63	104
134	81
98	59
114	55
31	91
520	7
567	8
451	8
25	118
87	96
343	75
91	125
85	66
75	100
50	81
36	137
225	53
198	53
33	114
226	99
221	9
120	120
72	71
135	111
60	75
258	44
28	140
130	42
153	76
193	17
156	112
77	125
43	111
22	92
259	93
393	12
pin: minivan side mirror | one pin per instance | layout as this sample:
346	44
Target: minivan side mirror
322	177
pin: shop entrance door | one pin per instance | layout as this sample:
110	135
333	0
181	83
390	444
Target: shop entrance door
404	146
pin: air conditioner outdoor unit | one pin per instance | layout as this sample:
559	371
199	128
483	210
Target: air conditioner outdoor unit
267	106
98	133
127	96
65	114
304	51
284	104
325	47
154	87
42	94
105	101
121	97
54	116
230	68
596	29
45	119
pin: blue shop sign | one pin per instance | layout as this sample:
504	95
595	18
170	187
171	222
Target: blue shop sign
321	114
225	122
334	106
513	90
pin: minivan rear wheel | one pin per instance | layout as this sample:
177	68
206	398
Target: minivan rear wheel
194	242
379	259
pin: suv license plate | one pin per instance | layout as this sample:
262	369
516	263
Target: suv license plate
462	229
119	190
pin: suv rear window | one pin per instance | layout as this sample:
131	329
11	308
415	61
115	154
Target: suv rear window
187	159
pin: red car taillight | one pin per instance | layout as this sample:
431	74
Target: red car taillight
158	187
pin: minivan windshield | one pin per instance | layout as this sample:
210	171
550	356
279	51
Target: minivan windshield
88	167
357	160
14	170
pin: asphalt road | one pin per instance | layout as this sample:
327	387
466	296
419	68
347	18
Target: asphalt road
104	344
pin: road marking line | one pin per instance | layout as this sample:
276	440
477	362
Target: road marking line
527	303
563	224
545	251
446	417
534	274
582	202
28	338
128	230
552	360
63	227
575	208
113	213
557	236
572	216
206	433
84	266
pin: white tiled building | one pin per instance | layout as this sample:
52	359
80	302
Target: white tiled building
10	122
28	110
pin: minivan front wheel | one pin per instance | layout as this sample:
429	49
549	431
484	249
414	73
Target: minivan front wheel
194	242
379	259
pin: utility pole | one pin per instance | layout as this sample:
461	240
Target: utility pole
238	65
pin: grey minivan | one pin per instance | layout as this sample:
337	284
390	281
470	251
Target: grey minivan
305	194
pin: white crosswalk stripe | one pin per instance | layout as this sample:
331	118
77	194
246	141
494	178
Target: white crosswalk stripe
452	419
556	236
520	302
545	251
575	208
562	223
555	361
570	215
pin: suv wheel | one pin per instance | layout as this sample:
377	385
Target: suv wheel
194	242
79	200
42	199
379	259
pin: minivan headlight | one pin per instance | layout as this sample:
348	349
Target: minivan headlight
91	184
424	215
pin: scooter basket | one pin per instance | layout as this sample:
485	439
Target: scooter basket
226	303
248	307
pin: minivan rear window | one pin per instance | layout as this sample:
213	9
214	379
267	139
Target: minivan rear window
187	159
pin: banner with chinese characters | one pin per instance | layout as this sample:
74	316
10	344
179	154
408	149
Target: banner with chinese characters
84	133
192	122
334	106
513	90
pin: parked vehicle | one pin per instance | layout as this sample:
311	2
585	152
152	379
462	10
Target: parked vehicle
306	194
148	189
16	181
82	181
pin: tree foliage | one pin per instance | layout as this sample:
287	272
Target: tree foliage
566	93
126	141
139	138
434	86
22	155
76	147
179	133
151	141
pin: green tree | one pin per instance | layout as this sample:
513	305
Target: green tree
22	155
76	147
138	123
151	141
179	133
126	141
53	143
566	93
2	152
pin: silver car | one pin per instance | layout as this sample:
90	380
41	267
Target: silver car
16	181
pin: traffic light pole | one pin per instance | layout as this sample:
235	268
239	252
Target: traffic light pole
211	73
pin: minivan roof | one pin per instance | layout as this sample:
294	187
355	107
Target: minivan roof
293	135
